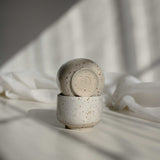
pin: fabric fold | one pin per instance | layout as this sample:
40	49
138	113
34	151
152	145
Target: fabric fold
122	92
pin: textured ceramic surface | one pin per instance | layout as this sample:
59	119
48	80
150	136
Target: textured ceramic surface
79	112
80	77
30	131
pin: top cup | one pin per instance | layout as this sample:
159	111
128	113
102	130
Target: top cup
80	77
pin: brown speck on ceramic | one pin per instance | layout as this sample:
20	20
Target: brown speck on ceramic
88	112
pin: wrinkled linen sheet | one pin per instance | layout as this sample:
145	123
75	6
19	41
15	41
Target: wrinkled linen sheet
122	92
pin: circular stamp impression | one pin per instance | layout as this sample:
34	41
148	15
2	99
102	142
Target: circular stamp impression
84	82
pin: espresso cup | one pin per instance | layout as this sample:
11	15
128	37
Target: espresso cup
80	77
79	112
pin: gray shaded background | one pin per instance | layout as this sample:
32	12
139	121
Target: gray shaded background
22	20
120	35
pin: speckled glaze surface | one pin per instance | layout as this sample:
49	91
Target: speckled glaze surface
80	77
79	112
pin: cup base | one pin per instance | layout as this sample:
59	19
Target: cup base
75	128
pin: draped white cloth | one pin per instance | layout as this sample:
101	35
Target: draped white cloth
119	35
122	92
28	86
130	95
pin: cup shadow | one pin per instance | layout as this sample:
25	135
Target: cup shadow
45	115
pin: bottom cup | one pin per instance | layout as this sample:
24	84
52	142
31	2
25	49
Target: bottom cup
79	112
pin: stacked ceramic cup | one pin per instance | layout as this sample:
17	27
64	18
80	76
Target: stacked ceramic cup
80	103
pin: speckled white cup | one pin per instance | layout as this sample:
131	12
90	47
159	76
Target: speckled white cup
80	77
79	112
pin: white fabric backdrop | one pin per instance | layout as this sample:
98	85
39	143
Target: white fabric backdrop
120	36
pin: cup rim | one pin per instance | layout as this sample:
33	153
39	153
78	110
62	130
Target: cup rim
61	95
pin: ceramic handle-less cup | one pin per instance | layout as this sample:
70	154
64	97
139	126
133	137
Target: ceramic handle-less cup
80	104
79	112
80	77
